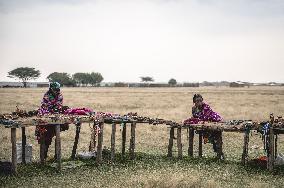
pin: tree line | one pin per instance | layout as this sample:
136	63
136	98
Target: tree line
78	79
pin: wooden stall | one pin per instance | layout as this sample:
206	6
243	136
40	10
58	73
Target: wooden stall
276	126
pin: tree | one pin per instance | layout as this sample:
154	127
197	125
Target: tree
147	79
81	78
93	78
62	77
172	82
96	78
24	74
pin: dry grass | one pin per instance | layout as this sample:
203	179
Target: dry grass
153	170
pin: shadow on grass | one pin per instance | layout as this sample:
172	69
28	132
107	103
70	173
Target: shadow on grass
142	160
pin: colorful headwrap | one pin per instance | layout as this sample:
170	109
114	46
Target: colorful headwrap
54	85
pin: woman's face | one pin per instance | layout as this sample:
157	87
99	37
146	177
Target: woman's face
55	91
198	102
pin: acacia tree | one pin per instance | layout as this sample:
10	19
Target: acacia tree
24	74
147	79
172	82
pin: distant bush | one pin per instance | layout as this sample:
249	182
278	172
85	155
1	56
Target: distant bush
190	85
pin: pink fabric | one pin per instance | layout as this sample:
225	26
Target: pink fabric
78	111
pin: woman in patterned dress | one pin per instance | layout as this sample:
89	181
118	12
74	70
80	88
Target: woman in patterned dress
52	103
202	112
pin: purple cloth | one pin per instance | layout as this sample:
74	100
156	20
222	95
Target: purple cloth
205	114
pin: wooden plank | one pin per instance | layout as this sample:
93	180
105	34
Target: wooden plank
190	142
14	150
200	144
123	139
58	146
179	144
24	143
113	130
245	148
171	142
132	141
78	129
100	143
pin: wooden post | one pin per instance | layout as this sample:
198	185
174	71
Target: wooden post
190	141
179	144
171	142
93	141
42	148
220	154
123	139
271	142
113	130
132	141
14	150
24	143
276	145
200	144
100	143
245	148
55	150
78	128
271	153
58	146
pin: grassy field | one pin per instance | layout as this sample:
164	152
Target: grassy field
151	168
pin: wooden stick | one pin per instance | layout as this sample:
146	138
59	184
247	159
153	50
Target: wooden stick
200	145
132	141
190	142
123	139
100	144
171	142
179	144
24	143
113	142
78	128
14	150
245	148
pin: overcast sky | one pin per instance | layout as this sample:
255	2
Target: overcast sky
193	40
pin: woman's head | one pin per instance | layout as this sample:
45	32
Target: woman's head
197	99
54	87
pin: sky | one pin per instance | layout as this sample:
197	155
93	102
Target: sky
189	40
